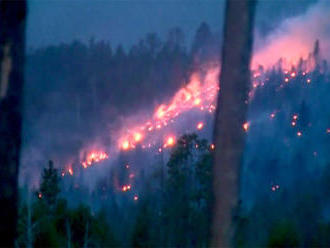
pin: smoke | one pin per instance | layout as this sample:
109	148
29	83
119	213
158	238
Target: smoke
295	37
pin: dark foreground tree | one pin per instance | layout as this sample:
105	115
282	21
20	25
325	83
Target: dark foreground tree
230	116
12	28
49	188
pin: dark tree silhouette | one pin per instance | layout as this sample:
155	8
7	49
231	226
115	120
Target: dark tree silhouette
49	187
230	116
12	28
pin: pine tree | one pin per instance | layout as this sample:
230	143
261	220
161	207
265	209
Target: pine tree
49	188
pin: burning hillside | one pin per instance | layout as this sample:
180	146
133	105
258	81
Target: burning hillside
197	97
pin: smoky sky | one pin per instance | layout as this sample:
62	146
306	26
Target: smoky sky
51	22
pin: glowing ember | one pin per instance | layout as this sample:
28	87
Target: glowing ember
170	141
212	146
295	117
136	198
39	195
286	80
70	171
275	187
272	115
299	133
126	188
293	123
200	125
125	145
246	126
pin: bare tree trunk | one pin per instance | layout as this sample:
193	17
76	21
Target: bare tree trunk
29	242
231	113
86	235
68	233
12	45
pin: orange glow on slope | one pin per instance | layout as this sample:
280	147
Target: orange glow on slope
200	93
94	157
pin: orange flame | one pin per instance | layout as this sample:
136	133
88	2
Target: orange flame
246	126
200	125
94	157
170	141
199	93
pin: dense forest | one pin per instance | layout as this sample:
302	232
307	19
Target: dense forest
78	91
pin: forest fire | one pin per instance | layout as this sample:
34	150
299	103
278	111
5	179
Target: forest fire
133	130
94	157
199	94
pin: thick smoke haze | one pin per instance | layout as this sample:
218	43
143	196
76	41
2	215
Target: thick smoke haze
290	39
294	38
121	95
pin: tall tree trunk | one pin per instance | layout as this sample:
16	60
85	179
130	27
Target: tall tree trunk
29	240
86	235
12	46
68	233
231	113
